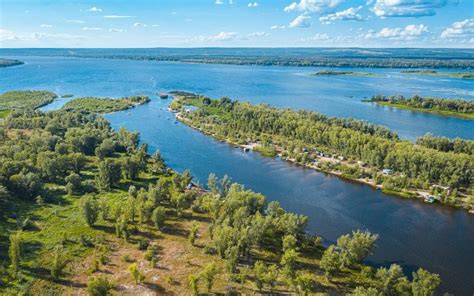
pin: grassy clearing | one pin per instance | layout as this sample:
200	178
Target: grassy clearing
4	113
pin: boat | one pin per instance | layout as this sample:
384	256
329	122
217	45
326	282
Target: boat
163	95
429	199
471	211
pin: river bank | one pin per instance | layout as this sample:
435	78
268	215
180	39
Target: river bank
334	164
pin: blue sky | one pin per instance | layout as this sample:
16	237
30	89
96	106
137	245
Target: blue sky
232	23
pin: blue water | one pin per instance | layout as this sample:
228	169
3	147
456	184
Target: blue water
280	86
411	233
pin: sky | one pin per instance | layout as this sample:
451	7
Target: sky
236	23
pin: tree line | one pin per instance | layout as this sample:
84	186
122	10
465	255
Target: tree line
300	133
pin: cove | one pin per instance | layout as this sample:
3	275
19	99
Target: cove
412	233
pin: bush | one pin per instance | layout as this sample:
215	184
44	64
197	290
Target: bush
99	286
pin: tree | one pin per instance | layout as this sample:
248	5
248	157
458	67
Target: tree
288	261
158	217
90	210
99	286
232	256
304	284
193	282
212	183
392	281
138	277
289	243
259	271
58	264
130	168
356	247
132	191
362	291
73	183
108	174
14	252
330	261
208	274
193	233
425	283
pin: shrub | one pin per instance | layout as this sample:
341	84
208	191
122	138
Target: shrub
99	286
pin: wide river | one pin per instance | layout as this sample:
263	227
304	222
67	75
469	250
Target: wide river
411	233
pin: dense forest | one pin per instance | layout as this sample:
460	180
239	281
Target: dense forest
86	209
356	149
454	107
444	144
9	62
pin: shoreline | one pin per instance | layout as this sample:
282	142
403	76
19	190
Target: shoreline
431	111
409	194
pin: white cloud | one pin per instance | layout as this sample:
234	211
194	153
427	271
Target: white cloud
117	16
155	26
276	27
75	21
317	37
350	14
252	4
46	26
231	2
116	30
303	21
95	9
257	34
312	5
408	8
219	2
410	32
222	36
7	35
462	29
140	25
91	29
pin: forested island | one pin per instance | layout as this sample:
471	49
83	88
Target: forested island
86	209
340	73
446	107
9	63
348	148
466	75
104	105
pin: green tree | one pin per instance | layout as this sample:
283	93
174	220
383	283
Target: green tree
99	286
193	233
58	264
108	174
356	247
288	261
425	283
362	291
208	274
73	183
259	271
137	276
14	252
158	217
289	243
304	284
330	261
90	210
392	281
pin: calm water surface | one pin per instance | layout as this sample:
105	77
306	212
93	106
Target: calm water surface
280	86
411	233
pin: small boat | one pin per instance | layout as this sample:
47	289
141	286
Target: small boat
471	211
429	199
163	95
246	149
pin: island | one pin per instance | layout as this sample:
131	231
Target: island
85	209
446	107
34	99
341	73
352	149
9	63
465	75
104	105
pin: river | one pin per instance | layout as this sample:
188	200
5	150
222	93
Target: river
411	233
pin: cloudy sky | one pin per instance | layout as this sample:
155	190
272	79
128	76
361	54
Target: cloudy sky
232	23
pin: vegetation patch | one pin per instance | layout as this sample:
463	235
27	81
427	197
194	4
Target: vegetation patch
9	63
445	107
31	99
341	73
465	75
104	105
